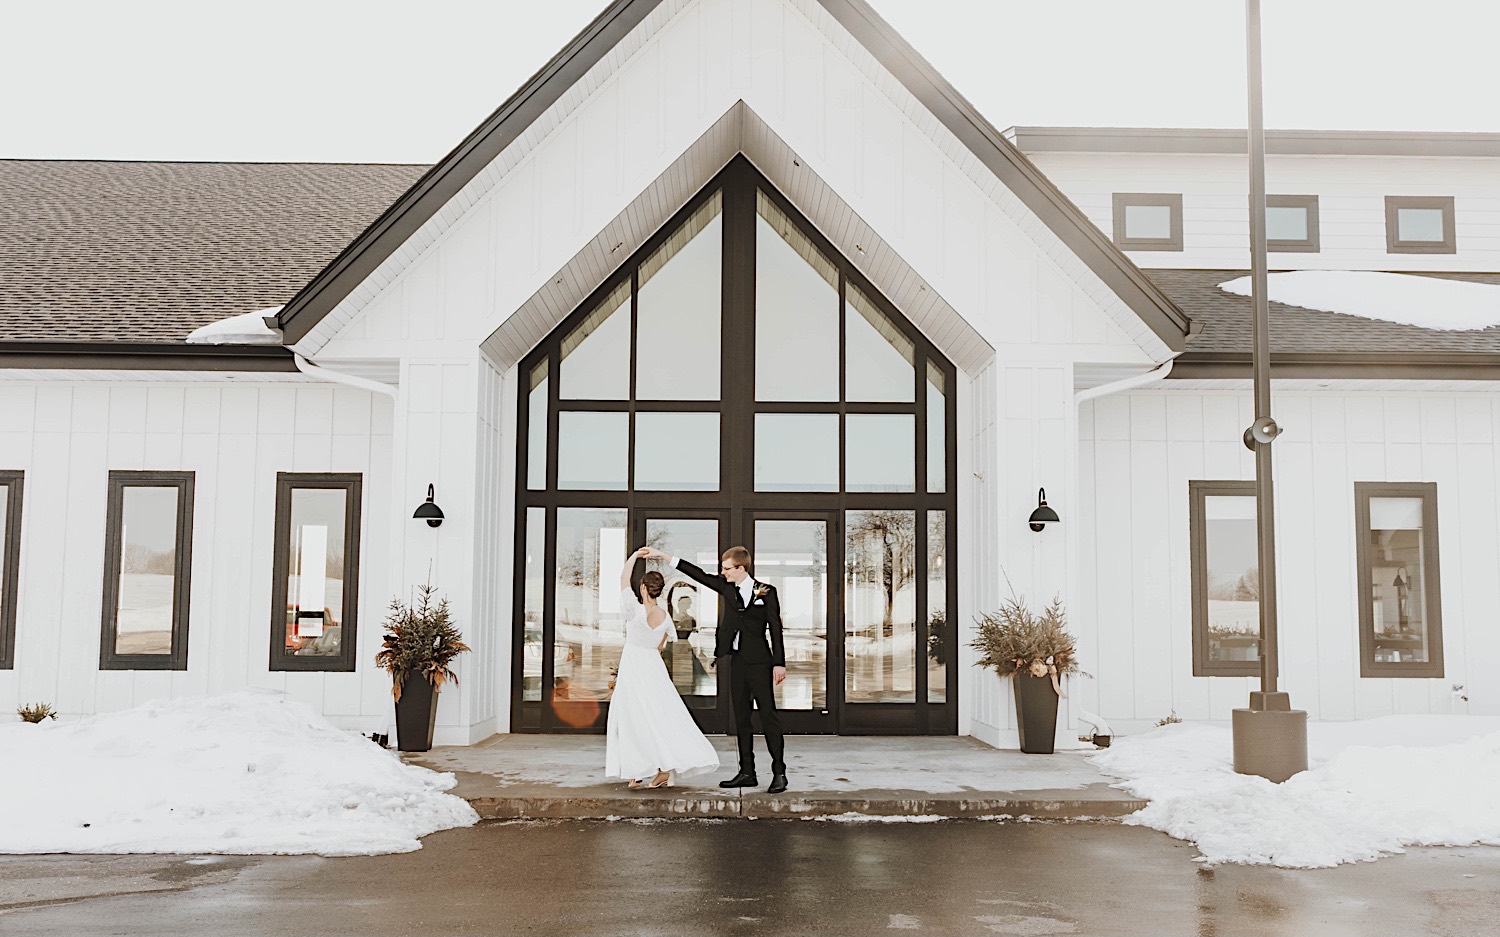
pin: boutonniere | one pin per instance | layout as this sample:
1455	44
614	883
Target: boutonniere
760	590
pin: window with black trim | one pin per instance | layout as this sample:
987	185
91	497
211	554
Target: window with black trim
1419	224
1292	223
1226	579
315	578
148	546
10	563
1400	622
1148	221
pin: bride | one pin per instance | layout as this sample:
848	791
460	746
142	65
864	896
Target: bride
650	731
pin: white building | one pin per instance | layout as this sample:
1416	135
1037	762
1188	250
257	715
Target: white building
742	271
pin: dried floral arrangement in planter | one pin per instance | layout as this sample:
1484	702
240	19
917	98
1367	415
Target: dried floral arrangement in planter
1016	639
420	641
36	712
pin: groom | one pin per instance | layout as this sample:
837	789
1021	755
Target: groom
752	610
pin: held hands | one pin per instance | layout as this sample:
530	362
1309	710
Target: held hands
650	553
778	674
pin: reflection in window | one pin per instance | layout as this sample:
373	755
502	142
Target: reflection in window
533	583
676	451
879	354
694	608
149	529
881	452
937	606
880	570
536	429
593	450
316	571
590	627
10	563
677	312
937	429
793	557
796	313
596	354
1226	579
1398	580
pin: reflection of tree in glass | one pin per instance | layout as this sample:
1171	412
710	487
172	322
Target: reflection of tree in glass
139	558
893	560
1242	588
937	645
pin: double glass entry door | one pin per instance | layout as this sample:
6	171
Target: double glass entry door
848	617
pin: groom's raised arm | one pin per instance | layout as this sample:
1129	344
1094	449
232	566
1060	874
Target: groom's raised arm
717	583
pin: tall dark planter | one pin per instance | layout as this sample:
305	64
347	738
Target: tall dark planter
416	715
1036	712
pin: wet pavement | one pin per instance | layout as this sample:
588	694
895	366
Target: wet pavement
562	777
734	877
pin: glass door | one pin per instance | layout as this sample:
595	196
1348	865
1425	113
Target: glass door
792	553
689	654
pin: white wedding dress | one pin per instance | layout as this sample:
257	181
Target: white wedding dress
650	729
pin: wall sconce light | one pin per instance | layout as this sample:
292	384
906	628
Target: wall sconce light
1043	515
433	515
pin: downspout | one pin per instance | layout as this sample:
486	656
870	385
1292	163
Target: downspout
1102	733
338	377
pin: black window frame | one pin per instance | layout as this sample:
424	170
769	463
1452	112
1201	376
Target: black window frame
1432	583
14	483
1198	493
352	484
182	572
1309	245
1393	242
736	498
1168	200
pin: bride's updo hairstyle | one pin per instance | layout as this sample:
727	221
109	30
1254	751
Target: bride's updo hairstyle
654	583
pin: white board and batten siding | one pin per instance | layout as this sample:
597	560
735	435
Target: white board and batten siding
1351	194
1138	451
235	437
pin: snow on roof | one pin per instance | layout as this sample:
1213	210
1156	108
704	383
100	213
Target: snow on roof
1425	302
247	328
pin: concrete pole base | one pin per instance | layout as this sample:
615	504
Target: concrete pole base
1271	743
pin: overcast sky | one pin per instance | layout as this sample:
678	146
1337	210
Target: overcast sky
404	82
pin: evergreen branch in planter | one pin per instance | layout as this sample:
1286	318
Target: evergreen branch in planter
421	641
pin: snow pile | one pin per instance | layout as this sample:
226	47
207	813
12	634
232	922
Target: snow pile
247	328
252	772
1427	302
1357	802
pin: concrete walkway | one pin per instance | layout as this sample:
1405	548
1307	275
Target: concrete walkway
557	776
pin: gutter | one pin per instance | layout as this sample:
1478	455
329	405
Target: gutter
339	377
1128	383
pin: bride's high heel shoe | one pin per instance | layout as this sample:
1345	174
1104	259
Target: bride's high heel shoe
659	781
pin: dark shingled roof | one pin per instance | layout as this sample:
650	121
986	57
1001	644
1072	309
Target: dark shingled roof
1225	321
145	251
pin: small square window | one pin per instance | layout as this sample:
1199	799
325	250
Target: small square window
1419	225
1147	221
1292	223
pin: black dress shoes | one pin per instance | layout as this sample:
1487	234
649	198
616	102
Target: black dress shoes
778	783
743	779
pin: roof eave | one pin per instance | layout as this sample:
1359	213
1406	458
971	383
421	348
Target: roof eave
1417	366
144	356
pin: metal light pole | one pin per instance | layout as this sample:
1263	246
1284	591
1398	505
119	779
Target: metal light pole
1270	738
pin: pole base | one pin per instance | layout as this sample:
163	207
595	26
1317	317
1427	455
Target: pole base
1271	743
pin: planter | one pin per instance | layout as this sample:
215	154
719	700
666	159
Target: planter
416	715
1036	712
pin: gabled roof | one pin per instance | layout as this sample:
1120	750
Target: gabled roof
434	190
142	252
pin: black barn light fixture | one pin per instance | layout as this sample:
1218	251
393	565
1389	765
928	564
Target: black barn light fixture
428	511
1043	515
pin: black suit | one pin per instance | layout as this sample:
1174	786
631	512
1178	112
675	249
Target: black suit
749	665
